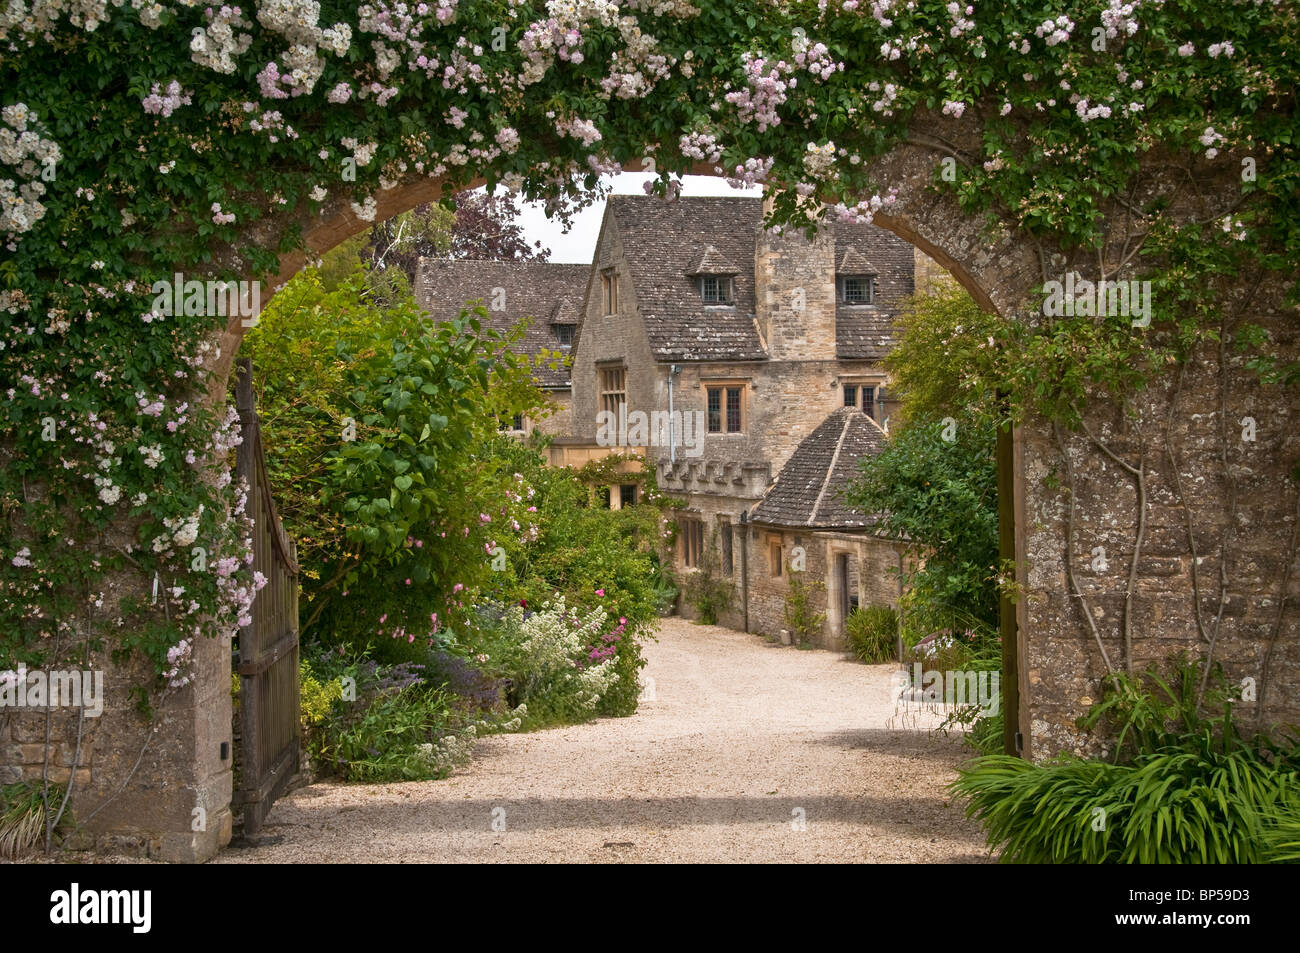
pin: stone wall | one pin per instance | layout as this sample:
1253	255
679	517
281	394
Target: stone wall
873	579
138	785
560	421
794	284
1219	509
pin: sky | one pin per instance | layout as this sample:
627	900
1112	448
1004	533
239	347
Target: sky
578	245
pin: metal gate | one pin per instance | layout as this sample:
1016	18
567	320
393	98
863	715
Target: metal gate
267	660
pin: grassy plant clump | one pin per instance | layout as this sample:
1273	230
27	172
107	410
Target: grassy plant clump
23	817
1184	784
873	633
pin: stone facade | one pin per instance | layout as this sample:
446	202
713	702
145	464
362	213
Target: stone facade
788	343
1219	518
855	569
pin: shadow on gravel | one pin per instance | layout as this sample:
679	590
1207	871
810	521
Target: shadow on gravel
914	815
901	741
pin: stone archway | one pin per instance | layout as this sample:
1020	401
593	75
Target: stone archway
1196	524
1074	622
1058	650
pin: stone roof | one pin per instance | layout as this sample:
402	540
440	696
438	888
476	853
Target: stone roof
544	293
712	262
566	312
854	262
665	242
866	331
807	491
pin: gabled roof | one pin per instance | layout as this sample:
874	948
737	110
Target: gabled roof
853	262
807	492
710	261
534	290
664	241
565	312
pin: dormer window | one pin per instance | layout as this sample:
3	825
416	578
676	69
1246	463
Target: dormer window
716	289
564	334
858	289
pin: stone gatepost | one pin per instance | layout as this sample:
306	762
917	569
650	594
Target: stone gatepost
155	786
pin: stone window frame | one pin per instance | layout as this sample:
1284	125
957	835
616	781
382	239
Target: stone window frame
612	390
516	424
724	386
609	291
842	289
776	555
865	385
724	295
622	495
726	544
690	532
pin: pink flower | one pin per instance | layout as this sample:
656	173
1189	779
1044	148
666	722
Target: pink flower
456	588
408	582
600	592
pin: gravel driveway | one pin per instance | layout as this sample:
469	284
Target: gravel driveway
747	752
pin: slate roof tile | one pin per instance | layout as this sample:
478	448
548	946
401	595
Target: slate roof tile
808	490
543	292
664	242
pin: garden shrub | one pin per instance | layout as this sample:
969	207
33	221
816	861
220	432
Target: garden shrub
559	662
374	419
24	815
709	593
369	721
873	633
316	698
985	734
1167	807
804	621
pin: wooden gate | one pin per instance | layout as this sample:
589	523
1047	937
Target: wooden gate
267	661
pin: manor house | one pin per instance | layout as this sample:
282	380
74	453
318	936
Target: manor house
757	356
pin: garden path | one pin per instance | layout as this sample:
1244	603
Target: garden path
740	742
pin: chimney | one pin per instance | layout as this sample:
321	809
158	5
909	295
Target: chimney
794	293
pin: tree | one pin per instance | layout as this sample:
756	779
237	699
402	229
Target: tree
941	496
941	365
376	420
487	227
935	483
480	226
